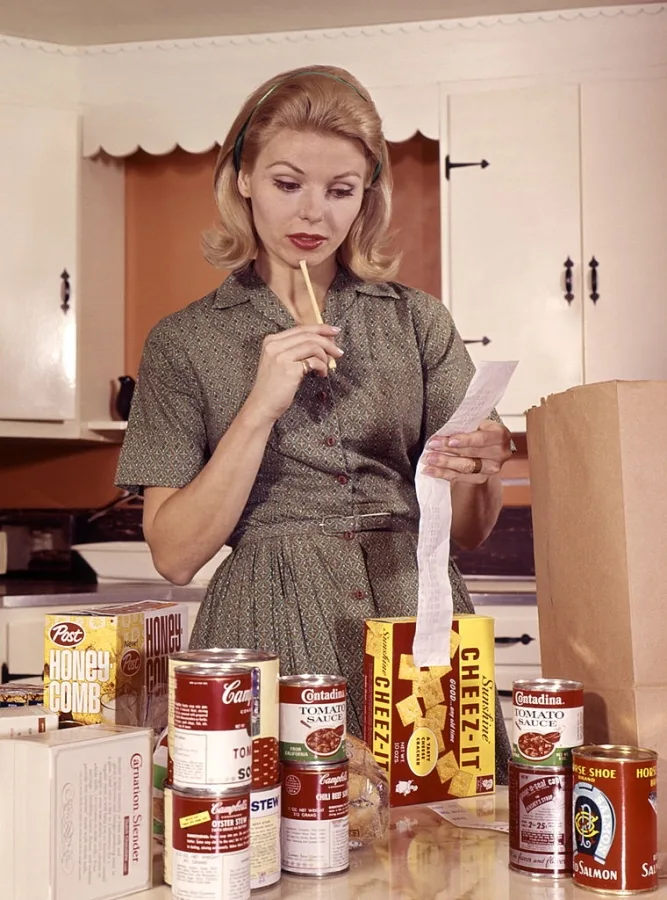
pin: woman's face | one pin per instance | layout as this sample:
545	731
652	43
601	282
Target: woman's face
306	191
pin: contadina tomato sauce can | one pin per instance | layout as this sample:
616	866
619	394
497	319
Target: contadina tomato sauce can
540	815
212	720
211	845
615	816
313	718
265	669
548	721
315	818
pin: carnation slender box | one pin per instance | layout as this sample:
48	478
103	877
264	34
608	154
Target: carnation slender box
110	664
431	729
75	816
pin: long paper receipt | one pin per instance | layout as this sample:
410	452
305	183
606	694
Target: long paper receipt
435	605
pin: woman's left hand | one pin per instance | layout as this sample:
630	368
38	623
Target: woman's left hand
469	458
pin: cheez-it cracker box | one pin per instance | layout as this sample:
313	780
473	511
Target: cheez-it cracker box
109	665
431	729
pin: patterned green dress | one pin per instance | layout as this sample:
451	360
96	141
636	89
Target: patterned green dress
329	533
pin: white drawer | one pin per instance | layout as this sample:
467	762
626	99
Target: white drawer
507	675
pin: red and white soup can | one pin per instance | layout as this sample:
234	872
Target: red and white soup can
210	845
315	818
265	673
313	718
212	723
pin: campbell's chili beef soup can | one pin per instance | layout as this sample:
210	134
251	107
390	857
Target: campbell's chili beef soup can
265	671
212	720
548	721
615	816
313	718
315	818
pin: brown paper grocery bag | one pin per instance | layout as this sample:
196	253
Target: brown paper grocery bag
598	472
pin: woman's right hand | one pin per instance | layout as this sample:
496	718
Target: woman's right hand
285	360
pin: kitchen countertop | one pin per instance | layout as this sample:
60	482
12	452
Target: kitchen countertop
16	593
427	858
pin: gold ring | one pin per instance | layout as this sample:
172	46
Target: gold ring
306	366
477	465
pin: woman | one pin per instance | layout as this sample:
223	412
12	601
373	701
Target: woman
240	432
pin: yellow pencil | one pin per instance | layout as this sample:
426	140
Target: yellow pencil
316	307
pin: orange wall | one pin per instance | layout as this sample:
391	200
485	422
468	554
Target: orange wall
168	205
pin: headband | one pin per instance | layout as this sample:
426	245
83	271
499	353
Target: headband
238	143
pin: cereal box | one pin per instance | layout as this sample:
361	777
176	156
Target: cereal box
431	729
110	664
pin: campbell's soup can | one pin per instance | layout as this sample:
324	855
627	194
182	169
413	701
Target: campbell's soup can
315	818
265	837
615	818
212	743
168	832
313	718
265	669
211	845
540	819
548	721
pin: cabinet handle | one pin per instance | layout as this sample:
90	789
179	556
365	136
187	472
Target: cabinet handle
504	693
65	290
452	165
484	341
593	265
510	641
569	296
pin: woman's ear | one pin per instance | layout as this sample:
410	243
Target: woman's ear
243	183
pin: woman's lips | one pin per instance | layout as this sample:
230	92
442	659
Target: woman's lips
307	241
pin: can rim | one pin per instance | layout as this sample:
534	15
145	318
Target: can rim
212	671
221	654
619	753
539	771
211	793
549	685
310	680
314	766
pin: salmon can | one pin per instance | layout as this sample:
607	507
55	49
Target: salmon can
264	837
265	672
212	713
315	818
548	721
615	816
313	718
540	818
211	845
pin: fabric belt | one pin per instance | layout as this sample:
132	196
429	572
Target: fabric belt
332	526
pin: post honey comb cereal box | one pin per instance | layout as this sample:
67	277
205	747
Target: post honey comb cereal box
109	664
431	729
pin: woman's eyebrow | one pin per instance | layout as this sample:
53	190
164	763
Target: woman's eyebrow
284	162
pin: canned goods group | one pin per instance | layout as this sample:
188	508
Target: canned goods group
211	845
615	819
540	836
212	710
264	714
315	818
548	721
313	716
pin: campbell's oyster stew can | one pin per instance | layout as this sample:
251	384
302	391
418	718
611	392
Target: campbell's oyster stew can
315	818
540	820
313	718
212	716
548	721
211	845
615	819
265	669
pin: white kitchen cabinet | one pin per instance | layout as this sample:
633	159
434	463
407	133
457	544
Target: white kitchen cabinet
61	276
576	174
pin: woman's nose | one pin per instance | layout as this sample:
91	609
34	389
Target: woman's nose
312	207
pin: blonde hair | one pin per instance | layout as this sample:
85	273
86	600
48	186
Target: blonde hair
304	100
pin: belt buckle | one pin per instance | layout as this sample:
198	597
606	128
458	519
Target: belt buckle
355	522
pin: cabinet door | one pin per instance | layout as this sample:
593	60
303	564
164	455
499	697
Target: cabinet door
38	234
624	176
512	226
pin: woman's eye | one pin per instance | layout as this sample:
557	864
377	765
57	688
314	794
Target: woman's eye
288	186
340	193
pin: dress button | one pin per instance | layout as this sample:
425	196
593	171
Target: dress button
330	441
359	595
348	535
323	396
342	479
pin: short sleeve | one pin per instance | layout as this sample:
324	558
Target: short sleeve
448	368
165	443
